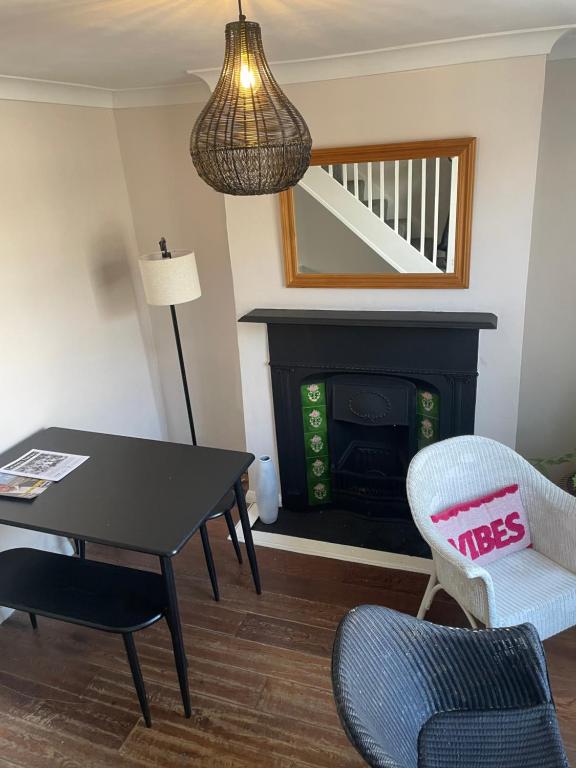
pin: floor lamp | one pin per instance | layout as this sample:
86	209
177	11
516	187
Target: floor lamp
171	278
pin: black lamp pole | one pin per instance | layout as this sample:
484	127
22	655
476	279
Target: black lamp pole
167	255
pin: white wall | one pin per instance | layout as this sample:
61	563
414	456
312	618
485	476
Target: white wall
85	191
500	103
73	352
169	199
547	418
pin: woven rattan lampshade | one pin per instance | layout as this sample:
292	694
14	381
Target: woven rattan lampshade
249	139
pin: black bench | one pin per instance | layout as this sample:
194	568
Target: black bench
107	597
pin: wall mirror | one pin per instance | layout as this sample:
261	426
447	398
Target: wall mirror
383	216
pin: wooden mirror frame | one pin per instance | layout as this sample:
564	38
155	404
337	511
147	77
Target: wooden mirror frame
464	149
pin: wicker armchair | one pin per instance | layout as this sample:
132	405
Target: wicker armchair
536	585
411	694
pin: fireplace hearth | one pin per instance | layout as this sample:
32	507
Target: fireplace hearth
357	394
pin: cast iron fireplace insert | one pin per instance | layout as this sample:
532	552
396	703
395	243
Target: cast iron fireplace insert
372	437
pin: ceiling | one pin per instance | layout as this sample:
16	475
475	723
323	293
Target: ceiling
124	44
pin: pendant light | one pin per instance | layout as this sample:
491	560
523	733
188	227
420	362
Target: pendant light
249	139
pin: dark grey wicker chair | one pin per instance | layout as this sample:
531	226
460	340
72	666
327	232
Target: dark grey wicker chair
413	694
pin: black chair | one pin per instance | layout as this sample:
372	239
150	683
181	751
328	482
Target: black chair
98	595
224	509
411	694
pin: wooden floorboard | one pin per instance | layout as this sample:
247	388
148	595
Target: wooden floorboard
259	670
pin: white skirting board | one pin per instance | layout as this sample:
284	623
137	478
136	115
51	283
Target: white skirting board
334	551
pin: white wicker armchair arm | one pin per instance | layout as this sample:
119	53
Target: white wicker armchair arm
471	586
552	515
468	583
466	568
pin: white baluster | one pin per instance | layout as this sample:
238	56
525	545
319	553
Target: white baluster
382	190
356	184
450	256
369	182
345	176
396	193
423	210
409	204
436	206
331	170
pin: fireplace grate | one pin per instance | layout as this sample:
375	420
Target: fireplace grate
369	477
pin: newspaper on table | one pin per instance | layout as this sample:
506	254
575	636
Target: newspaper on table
44	465
19	487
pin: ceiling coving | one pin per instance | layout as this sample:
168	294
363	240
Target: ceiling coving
249	139
125	44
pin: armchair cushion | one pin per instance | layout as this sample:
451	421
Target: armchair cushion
516	738
486	528
528	587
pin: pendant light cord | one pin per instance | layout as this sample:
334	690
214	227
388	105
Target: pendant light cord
242	17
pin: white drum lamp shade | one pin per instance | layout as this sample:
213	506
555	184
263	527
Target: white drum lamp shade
169	281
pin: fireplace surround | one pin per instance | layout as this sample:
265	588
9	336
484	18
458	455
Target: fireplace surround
369	373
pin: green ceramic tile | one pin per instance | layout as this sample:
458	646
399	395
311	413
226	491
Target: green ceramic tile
319	492
313	397
315	418
315	444
428	403
428	430
318	468
313	394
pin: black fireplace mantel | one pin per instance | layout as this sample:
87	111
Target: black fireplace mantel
397	319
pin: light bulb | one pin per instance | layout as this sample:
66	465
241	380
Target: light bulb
247	77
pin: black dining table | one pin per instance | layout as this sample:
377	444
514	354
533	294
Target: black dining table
143	495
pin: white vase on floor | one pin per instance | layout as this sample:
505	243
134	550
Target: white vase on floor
267	490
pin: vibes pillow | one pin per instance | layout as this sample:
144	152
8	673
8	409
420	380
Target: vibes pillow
487	528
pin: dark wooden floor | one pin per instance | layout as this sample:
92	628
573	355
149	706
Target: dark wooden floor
259	671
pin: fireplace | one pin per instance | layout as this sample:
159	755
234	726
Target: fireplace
357	394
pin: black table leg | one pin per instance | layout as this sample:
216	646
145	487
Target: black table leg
233	536
130	646
241	502
210	561
80	548
173	618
